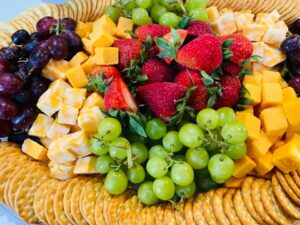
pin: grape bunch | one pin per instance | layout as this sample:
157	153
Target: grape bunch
164	12
171	164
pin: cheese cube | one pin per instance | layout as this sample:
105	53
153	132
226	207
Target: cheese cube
82	29
292	129
271	77
34	150
273	16
58	130
242	19
283	83
274	121
124	26
282	26
77	77
59	87
58	153
75	128
256	148
67	115
107	56
258	48
41	126
46	142
103	40
212	13
49	103
291	109
274	36
243	166
86	165
78	143
252	123
75	97
254	93
272	56
89	119
271	95
104	23
259	68
88	45
288	94
233	182
264	164
259	16
253	79
55	69
225	24
254	31
89	65
94	100
61	171
78	59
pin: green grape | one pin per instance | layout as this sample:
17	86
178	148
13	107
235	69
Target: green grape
118	148
164	188
186	191
169	19
146	194
157	167
169	4
205	184
197	158
180	158
140	16
157	11
236	151
171	142
234	132
195	4
129	5
103	164
109	129
113	12
156	128
148	20
182	173
116	182
226	115
158	151
140	152
199	14
136	174
146	4
208	119
97	146
220	167
191	135
201	173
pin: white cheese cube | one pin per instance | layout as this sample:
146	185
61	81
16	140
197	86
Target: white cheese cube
259	68
41	126
282	26
225	24
274	16
59	87
94	100
242	19
89	119
67	115
75	97
34	150
58	130
254	31
46	142
86	165
258	48
78	143
49	103
272	56
61	171
58	153
274	36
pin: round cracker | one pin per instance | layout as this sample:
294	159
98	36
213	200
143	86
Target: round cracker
46	9
188	211
73	8
6	188
229	207
49	205
179	214
99	218
125	209
150	218
217	203
54	10
198	210
107	199
8	27
296	178
79	6
169	215
292	184
8	150
159	214
143	215
5	144
207	208
88	11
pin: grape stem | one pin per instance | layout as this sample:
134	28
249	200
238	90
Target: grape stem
181	6
129	158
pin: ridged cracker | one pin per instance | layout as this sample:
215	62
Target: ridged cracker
49	205
207	208
169	215
217	203
229	207
198	210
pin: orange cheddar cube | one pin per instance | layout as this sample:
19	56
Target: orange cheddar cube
288	93
252	123
254	93
271	95
283	83
89	65
253	79
291	109
88	45
258	147
264	164
78	59
77	77
34	149
107	56
82	29
243	166
104	23
103	40
271	77
124	26
233	182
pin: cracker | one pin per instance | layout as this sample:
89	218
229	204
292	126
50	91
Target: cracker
217	203
54	10
292	184
229	208
150	218
88	9
159	214
99	218
99	9
25	196
142	216
79	6
5	144
207	208
125	209
188	211
8	27
198	210
169	216
179	214
134	215
49	205
45	7
8	150
73	8
6	188
296	178
289	207
107	199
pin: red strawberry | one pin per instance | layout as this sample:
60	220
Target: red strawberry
109	71
154	30
203	53
199	97
230	91
129	49
197	28
241	47
153	52
162	98
157	71
231	69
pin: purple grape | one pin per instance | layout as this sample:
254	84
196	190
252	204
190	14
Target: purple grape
9	83
295	28
29	46
38	59
68	24
6	128
74	41
24	71
37	87
25	118
5	68
290	44
58	47
9	55
22	96
20	37
45	26
36	36
8	109
295	83
295	58
294	69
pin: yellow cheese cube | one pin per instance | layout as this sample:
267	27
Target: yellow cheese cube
274	36
272	56
67	115
233	182
89	119
271	77
258	48
291	109
124	26
243	166
254	93
274	139
82	29
254	31
103	40
256	148
225	24
77	77
34	150
86	165
273	16
78	143
78	59
252	123
94	100
89	65
288	94
253	79
212	13
58	130
249	109
264	164
61	171
75	97
242	19
107	56
46	142
58	153
259	68
274	121
283	83
104	23
271	95
259	16
55	69
41	126
88	45
49	103
59	87
292	129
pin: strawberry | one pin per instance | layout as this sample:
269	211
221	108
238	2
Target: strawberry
231	69
157	71
108	71
241	47
197	28
154	30
198	99
129	49
203	53
230	91
162	98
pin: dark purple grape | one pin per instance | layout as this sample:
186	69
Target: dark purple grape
58	47
9	55
74	41
24	71
9	83
20	37
8	109
6	128
295	83
28	47
37	87
25	118
295	27
290	44
5	68
18	137
68	24
45	26
22	96
294	58
38	59
295	70
36	36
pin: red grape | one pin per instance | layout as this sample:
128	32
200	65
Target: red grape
20	37
9	83
37	87
38	59
74	41
295	58
6	128
9	55
295	83
68	24
290	44
8	109
22	96
28	47
45	25
58	47
5	68
25	118
36	36
24	71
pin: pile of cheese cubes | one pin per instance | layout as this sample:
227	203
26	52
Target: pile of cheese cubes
273	124
265	30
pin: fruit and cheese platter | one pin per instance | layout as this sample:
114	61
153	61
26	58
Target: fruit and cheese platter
163	112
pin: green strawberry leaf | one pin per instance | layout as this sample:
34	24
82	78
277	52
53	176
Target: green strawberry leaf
227	43
212	100
245	101
207	79
184	22
98	83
